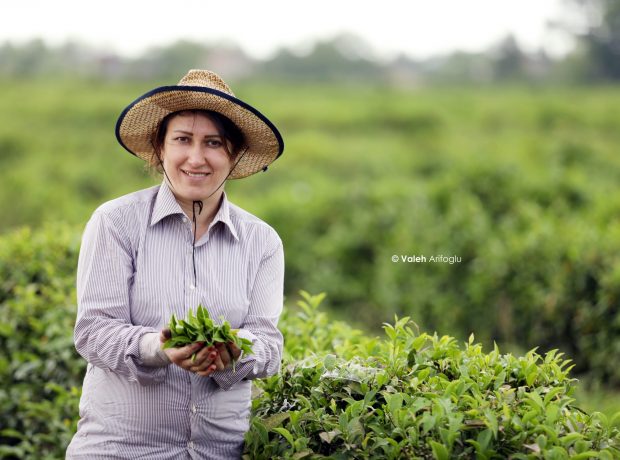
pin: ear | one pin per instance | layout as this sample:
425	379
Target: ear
160	158
229	149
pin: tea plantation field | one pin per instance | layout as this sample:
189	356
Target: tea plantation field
492	211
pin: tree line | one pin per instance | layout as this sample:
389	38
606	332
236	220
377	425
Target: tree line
593	26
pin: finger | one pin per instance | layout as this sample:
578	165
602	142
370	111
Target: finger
207	372
204	354
222	351
204	359
219	365
164	335
182	356
192	355
233	350
176	355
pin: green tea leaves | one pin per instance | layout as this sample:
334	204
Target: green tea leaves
200	327
417	395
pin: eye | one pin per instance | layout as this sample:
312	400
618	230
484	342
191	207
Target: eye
215	143
181	139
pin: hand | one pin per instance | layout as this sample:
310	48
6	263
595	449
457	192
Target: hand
227	352
205	362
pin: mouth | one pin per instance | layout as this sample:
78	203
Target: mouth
195	174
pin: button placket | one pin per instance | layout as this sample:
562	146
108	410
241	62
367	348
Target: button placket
190	270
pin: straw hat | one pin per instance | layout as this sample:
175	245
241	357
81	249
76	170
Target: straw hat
203	90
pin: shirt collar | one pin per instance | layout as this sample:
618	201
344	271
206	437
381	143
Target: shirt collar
167	205
223	215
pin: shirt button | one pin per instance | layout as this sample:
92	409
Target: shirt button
184	219
190	444
192	287
194	409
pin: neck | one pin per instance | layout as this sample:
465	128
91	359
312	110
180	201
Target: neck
210	207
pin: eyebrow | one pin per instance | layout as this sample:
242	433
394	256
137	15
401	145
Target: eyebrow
189	133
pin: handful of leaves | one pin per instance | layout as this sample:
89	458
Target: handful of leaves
201	328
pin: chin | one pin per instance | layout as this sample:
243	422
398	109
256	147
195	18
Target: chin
203	196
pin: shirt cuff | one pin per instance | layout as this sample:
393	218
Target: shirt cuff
246	367
151	352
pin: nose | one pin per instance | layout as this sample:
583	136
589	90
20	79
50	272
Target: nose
196	155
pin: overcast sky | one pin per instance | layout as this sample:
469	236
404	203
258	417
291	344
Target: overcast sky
418	28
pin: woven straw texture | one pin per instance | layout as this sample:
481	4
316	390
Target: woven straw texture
139	121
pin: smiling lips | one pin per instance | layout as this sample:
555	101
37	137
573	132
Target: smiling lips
195	174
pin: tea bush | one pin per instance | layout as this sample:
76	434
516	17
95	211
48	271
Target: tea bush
518	182
40	371
410	394
415	395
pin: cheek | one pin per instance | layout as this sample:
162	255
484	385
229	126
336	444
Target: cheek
224	161
170	157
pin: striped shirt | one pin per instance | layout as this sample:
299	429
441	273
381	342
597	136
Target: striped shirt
135	270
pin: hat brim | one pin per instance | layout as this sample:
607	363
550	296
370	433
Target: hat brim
138	122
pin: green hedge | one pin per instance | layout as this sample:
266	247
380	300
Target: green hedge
520	183
414	395
40	371
528	278
341	393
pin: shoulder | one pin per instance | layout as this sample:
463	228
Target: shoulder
125	215
129	203
253	228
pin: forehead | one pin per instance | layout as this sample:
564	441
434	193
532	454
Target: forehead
197	123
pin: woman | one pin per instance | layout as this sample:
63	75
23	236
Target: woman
166	249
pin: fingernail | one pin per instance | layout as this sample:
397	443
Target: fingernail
212	356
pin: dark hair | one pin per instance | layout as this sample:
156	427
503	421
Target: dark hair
225	128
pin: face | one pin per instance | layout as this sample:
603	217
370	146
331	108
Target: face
195	158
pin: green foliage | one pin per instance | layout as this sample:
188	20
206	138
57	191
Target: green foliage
519	183
415	395
310	329
371	391
344	57
40	371
595	24
200	327
516	182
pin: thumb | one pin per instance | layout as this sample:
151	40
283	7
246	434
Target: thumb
165	334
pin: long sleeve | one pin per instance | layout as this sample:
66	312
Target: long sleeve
260	325
104	334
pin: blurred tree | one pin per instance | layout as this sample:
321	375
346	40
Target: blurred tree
509	60
345	57
596	24
27	59
458	68
165	62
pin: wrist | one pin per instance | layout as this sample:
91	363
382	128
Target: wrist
151	352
